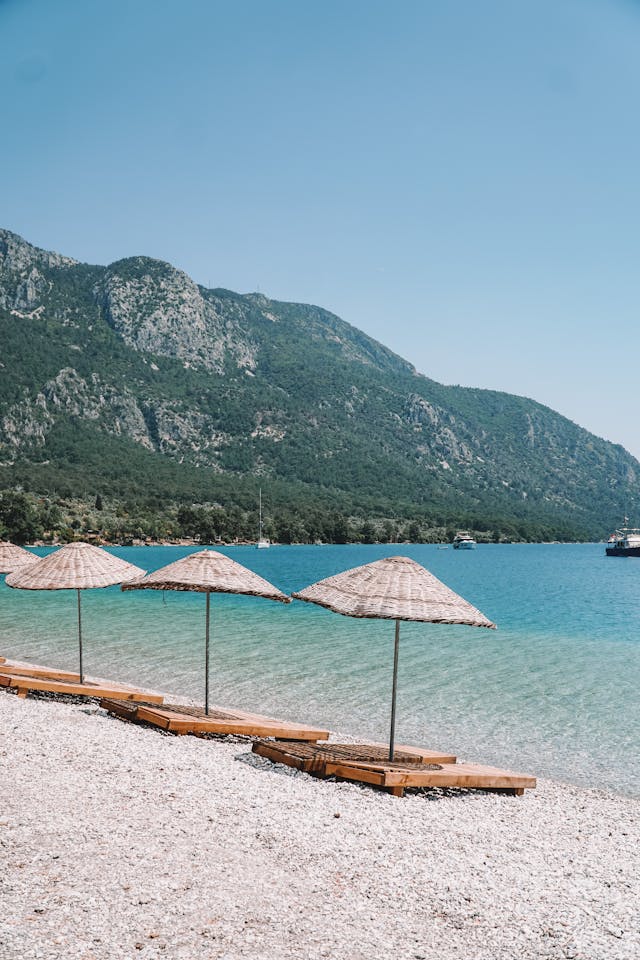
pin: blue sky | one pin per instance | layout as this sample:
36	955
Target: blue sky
457	179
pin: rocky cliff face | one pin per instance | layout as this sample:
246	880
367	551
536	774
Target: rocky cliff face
245	385
159	310
22	272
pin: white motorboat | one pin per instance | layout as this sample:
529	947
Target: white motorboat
463	541
625	542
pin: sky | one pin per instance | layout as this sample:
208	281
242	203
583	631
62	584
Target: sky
457	179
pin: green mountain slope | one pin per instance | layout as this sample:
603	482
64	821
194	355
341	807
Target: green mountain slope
133	381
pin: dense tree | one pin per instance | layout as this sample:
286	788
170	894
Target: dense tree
19	518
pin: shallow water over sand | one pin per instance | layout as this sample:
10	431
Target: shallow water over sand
554	691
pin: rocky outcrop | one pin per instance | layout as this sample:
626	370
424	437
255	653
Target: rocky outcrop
23	425
172	429
22	280
440	434
160	310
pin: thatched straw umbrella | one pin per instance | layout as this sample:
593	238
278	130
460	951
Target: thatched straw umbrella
395	588
76	566
208	571
12	557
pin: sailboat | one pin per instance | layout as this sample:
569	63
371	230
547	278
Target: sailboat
263	542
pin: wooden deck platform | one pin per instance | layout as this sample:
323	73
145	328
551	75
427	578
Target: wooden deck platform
181	719
313	757
50	683
367	763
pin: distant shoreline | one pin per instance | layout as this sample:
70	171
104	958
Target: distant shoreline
190	542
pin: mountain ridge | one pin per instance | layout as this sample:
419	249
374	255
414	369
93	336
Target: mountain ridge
247	389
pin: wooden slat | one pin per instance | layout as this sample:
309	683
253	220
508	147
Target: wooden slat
24	684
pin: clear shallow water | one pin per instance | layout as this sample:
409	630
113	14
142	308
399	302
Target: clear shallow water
554	691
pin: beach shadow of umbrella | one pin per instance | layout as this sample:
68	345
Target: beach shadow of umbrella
76	566
394	588
208	571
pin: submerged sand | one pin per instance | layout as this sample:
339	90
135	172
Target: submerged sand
118	841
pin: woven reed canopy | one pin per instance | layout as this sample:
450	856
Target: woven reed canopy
76	566
394	588
208	572
12	557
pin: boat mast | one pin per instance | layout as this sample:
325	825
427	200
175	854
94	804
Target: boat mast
260	523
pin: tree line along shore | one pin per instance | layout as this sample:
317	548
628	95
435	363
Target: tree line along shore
26	517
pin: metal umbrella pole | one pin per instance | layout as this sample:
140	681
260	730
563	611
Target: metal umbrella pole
392	734
80	635
206	657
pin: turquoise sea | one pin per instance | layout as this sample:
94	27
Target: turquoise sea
554	691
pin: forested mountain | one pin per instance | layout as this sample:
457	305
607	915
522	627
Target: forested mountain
132	383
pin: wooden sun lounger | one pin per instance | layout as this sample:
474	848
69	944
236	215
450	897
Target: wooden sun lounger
49	683
177	718
413	767
313	757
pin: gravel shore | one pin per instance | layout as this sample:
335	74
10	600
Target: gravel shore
118	841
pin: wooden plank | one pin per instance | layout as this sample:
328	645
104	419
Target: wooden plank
33	671
348	772
273	751
125	709
297	755
86	689
378	775
463	775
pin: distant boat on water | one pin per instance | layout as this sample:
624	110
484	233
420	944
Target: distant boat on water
624	542
463	541
263	542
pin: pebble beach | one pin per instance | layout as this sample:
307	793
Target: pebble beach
118	841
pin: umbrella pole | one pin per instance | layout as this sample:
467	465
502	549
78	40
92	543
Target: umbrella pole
80	635
206	658
392	734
